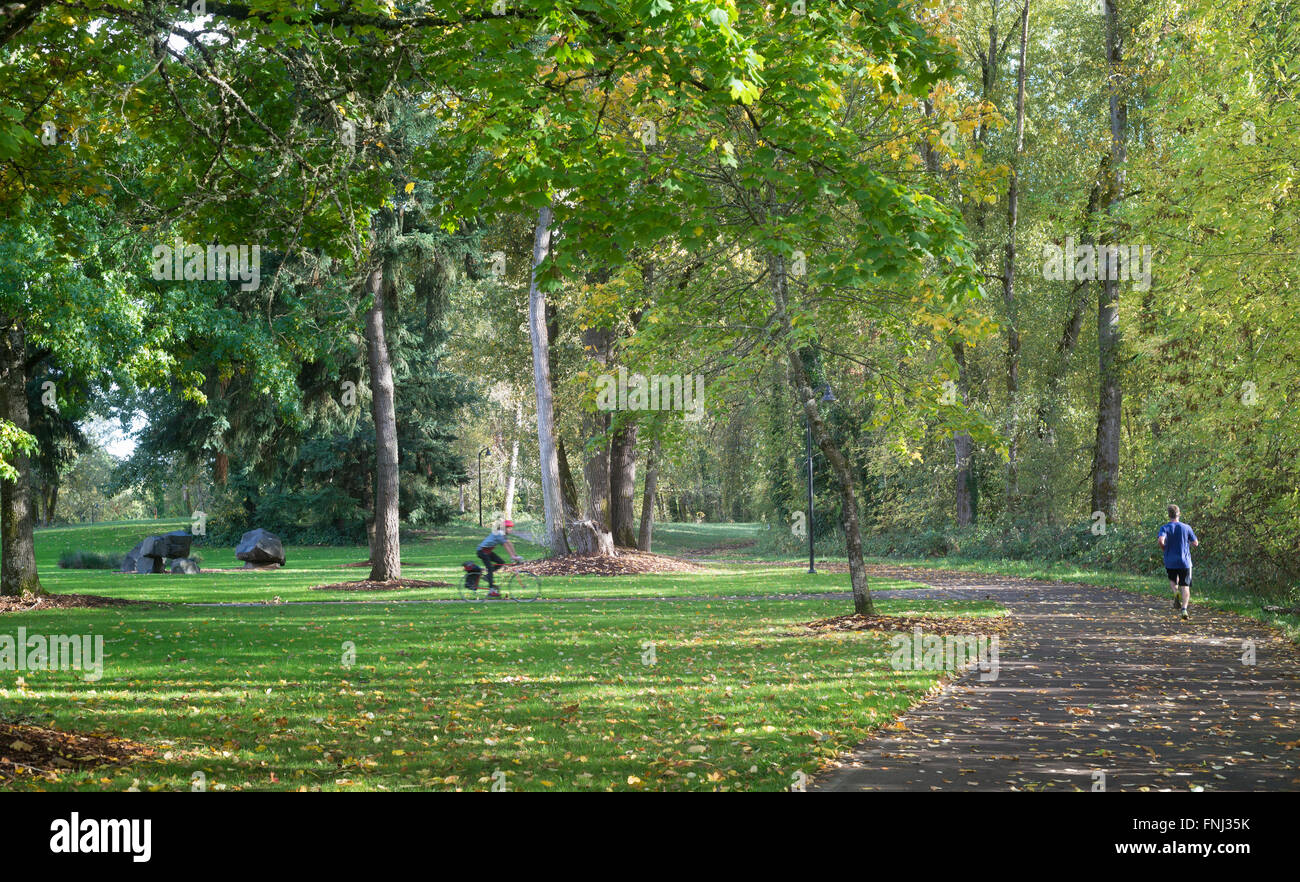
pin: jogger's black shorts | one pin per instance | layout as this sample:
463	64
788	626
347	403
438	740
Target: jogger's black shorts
1180	576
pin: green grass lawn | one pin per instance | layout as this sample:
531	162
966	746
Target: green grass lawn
443	697
687	538
430	559
451	696
1204	592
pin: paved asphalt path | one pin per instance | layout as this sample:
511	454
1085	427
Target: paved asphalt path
1096	682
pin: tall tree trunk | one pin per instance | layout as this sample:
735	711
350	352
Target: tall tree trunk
622	486
51	503
839	465
1009	278
17	538
963	445
386	551
514	460
595	471
963	448
221	469
1105	455
733	468
596	344
1080	298
648	498
552	494
568	489
368	506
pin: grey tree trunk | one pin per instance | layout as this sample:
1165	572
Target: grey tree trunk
1110	398
1009	279
962	445
552	495
977	215
368	505
595	469
514	461
386	551
963	448
18	573
585	539
568	489
645	534
622	486
839	465
1050	401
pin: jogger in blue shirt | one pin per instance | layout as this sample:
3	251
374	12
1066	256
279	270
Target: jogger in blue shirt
1177	539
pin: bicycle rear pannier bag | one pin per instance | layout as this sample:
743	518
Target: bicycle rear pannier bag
473	572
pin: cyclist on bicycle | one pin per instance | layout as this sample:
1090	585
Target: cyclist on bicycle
487	553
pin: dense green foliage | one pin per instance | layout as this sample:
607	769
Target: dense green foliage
690	151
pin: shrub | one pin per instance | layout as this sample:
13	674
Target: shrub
89	560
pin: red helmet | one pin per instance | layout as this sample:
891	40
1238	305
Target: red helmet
508	523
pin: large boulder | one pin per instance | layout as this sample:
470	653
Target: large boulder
147	557
185	566
173	544
130	559
260	548
144	557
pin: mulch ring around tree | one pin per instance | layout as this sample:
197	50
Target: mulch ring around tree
390	585
981	625
41	752
31	602
626	563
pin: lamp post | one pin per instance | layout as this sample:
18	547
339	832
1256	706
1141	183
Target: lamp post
827	396
480	484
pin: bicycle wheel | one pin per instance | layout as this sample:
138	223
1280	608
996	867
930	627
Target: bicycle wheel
523	587
473	595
